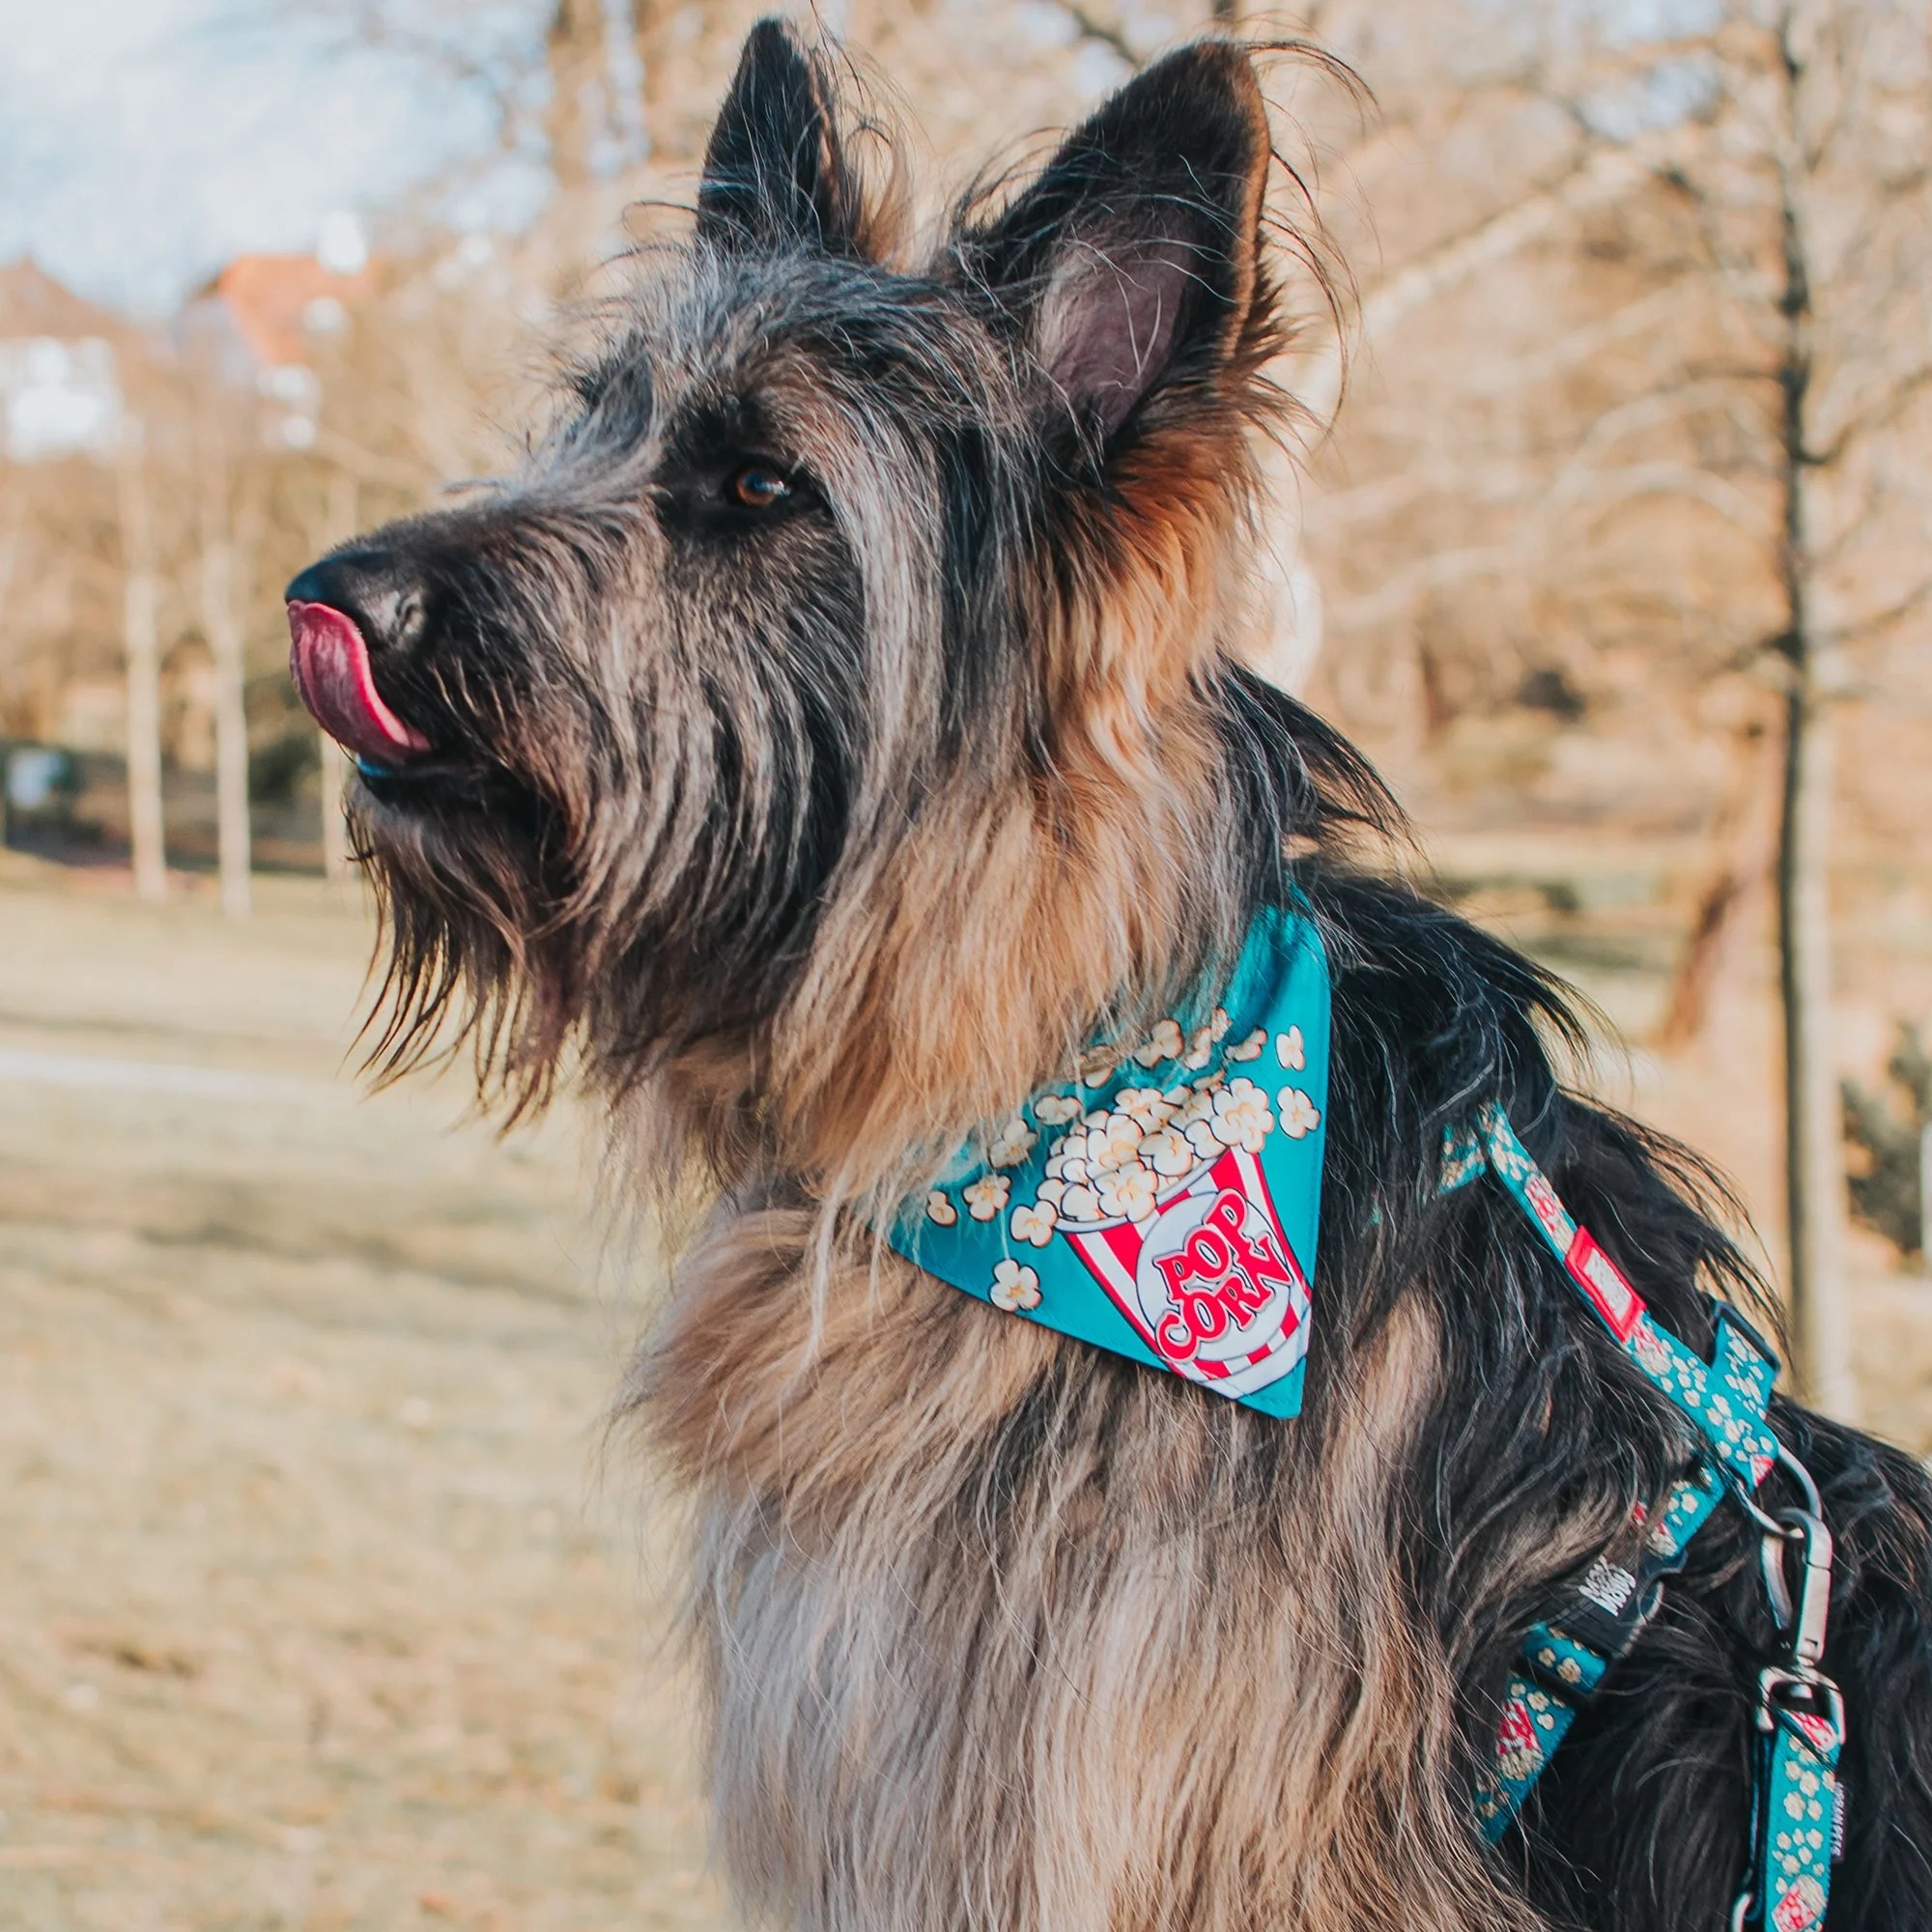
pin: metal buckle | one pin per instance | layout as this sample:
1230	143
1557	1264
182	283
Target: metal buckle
1794	1696
1788	1462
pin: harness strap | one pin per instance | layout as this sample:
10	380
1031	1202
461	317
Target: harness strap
1797	1813
1726	1399
1564	1662
1800	1808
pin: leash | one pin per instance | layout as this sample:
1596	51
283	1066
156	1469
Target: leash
1797	1810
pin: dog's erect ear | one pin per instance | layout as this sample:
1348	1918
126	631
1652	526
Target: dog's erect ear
1131	262
774	176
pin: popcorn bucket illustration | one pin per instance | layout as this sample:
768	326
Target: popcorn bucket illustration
1207	1279
1519	1749
1162	1200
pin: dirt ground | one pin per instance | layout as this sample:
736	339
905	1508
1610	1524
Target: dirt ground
320	1605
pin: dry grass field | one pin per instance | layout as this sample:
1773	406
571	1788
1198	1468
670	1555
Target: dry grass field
321	1604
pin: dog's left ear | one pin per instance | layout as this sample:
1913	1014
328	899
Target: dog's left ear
774	176
1132	262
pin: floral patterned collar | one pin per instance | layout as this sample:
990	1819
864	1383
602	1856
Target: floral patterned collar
1163	1202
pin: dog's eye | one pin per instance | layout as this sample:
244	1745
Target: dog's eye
759	486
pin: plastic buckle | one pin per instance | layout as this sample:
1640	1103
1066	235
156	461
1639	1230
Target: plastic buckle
1780	1686
1610	1609
1724	1311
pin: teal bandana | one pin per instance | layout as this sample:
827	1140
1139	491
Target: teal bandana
1163	1202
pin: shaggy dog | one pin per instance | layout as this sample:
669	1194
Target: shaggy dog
839	726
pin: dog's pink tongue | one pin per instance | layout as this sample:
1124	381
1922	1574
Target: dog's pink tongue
329	662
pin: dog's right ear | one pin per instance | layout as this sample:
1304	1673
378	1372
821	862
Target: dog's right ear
775	178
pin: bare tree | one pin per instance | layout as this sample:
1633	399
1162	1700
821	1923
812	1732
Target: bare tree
598	123
1657	385
1815	1154
141	610
222	625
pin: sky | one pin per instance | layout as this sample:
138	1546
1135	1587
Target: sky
143	143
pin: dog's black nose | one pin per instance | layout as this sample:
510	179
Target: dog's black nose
373	587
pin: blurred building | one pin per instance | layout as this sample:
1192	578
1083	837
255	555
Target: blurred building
262	318
60	376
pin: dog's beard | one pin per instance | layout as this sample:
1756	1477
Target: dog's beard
600	913
471	963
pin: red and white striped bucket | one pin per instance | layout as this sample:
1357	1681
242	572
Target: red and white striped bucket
1209	1280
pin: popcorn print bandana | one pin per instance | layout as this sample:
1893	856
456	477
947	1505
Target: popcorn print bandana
1163	1202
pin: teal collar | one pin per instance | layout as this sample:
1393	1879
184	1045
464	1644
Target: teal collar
1163	1202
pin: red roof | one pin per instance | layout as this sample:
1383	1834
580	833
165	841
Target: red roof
269	297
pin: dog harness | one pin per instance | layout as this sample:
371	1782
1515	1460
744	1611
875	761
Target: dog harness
1798	1809
1162	1203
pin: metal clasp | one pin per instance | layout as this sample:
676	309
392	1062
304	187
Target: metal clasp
1795	1696
1807	1533
1801	1616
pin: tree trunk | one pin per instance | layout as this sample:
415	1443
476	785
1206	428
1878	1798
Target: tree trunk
1814	1166
1814	1135
231	725
1925	1198
341	518
221	625
624	79
569	86
142	621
